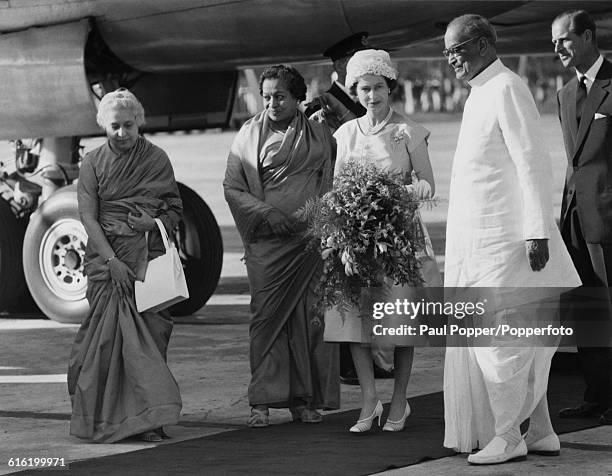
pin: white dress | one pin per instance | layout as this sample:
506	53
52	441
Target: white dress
397	145
500	196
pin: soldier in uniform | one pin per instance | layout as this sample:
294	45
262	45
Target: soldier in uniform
336	106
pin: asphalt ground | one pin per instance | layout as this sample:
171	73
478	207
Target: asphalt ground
209	351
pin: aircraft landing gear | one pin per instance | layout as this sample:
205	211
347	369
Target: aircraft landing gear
47	244
54	250
12	283
53	253
201	249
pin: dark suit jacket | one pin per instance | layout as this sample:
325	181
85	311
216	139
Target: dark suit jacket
589	153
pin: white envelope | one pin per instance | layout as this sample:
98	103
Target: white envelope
599	116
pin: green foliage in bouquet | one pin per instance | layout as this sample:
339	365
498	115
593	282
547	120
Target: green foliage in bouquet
366	230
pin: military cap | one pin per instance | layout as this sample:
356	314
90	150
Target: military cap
347	46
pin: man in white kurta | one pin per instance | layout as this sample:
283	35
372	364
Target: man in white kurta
500	234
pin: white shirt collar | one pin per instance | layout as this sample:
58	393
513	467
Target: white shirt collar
487	73
591	74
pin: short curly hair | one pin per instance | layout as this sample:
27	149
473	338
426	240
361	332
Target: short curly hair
120	99
291	78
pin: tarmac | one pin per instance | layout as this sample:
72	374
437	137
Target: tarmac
208	355
209	358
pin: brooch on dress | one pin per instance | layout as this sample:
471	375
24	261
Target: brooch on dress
399	136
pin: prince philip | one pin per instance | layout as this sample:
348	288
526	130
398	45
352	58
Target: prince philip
585	111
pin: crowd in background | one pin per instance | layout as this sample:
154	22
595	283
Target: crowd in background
427	86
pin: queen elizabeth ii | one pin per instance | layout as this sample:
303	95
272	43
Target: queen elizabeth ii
399	145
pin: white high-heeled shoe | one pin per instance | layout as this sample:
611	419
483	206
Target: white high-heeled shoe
365	424
398	425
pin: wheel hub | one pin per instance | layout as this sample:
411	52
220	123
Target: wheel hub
61	259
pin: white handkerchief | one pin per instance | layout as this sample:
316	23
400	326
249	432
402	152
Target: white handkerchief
599	116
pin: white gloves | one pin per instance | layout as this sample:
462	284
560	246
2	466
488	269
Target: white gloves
420	189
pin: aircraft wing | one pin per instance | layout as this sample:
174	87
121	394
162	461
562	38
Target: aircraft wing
524	29
181	56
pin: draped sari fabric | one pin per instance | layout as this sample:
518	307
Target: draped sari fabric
118	379
288	357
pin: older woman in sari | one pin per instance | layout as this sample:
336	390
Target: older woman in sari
118	379
277	162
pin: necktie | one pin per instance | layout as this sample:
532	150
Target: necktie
581	94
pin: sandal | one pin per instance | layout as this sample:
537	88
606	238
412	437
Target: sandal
150	437
259	418
306	415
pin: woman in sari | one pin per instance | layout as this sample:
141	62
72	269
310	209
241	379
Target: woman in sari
118	379
276	163
397	144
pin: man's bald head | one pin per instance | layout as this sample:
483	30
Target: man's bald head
472	25
470	45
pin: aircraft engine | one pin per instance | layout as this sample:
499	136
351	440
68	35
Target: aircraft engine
45	92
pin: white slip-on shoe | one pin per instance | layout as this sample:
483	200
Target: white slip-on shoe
547	446
496	452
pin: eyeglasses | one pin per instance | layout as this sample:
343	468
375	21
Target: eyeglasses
456	49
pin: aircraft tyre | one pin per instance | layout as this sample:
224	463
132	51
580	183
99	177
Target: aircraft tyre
201	249
53	257
54	253
12	282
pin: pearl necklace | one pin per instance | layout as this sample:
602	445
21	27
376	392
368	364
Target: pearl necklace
375	129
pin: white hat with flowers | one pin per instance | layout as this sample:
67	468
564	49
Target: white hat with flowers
376	62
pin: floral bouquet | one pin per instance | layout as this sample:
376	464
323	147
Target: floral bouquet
367	230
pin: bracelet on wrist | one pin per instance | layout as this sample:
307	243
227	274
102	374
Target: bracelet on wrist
108	260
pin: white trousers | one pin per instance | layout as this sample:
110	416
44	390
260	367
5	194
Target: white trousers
490	390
